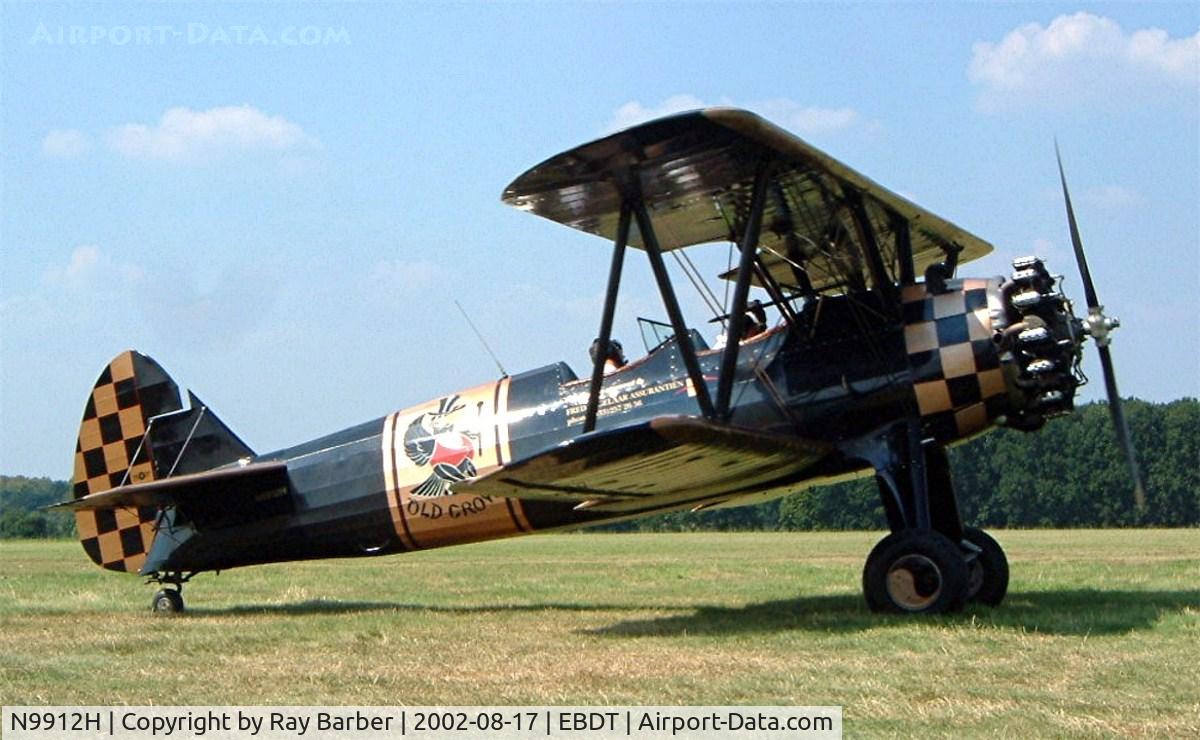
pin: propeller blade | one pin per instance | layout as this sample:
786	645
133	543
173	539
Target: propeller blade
1089	289
1122	428
1101	326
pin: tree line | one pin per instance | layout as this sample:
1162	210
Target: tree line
22	501
1070	474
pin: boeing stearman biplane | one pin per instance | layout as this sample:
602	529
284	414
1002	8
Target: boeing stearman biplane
879	358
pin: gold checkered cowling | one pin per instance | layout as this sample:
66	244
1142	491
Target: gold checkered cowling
957	378
113	425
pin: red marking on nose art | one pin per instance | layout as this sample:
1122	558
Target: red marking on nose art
452	449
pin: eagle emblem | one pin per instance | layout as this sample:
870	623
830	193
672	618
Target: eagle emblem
431	439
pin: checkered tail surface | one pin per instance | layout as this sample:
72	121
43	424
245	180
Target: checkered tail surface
110	453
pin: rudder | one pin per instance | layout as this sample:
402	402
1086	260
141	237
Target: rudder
113	449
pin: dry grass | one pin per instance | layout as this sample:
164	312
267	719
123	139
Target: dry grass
1099	635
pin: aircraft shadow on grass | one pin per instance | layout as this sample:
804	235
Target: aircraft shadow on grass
331	606
1069	612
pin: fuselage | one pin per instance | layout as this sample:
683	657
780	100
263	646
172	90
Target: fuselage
402	482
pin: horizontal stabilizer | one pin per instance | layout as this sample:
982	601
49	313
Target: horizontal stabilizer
226	494
667	457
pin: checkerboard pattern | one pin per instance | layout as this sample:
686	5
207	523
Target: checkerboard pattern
113	425
956	372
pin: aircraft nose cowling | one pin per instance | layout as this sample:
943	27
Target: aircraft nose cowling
958	383
1040	346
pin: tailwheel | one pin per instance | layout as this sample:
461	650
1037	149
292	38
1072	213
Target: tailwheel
167	601
987	571
915	571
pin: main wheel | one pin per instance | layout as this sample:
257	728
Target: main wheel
167	601
987	572
915	571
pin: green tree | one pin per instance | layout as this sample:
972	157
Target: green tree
22	508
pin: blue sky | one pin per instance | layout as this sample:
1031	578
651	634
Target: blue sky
280	203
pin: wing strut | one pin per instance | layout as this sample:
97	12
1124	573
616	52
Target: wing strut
741	289
682	337
904	251
870	247
778	299
606	320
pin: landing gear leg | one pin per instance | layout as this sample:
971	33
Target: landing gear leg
987	566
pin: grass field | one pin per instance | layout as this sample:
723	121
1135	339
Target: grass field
1100	634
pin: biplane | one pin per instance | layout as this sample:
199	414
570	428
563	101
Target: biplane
876	357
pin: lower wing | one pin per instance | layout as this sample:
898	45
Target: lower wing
665	459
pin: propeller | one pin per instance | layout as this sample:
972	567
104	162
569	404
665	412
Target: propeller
1099	327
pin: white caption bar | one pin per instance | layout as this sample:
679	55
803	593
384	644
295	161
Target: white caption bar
384	723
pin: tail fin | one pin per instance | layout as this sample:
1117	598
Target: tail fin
131	433
112	451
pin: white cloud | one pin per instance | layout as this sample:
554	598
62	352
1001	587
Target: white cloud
223	312
1050	252
89	267
186	135
805	120
83	261
1113	196
633	112
1178	59
65	143
1059	258
809	120
1080	56
407	276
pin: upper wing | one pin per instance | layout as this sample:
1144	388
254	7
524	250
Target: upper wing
669	458
696	172
219	496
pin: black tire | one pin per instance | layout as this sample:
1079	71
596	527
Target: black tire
915	571
987	573
167	601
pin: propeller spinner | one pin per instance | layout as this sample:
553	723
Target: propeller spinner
1099	327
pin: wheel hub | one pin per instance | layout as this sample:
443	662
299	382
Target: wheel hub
914	582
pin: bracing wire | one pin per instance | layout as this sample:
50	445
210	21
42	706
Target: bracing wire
694	276
700	277
698	284
728	269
